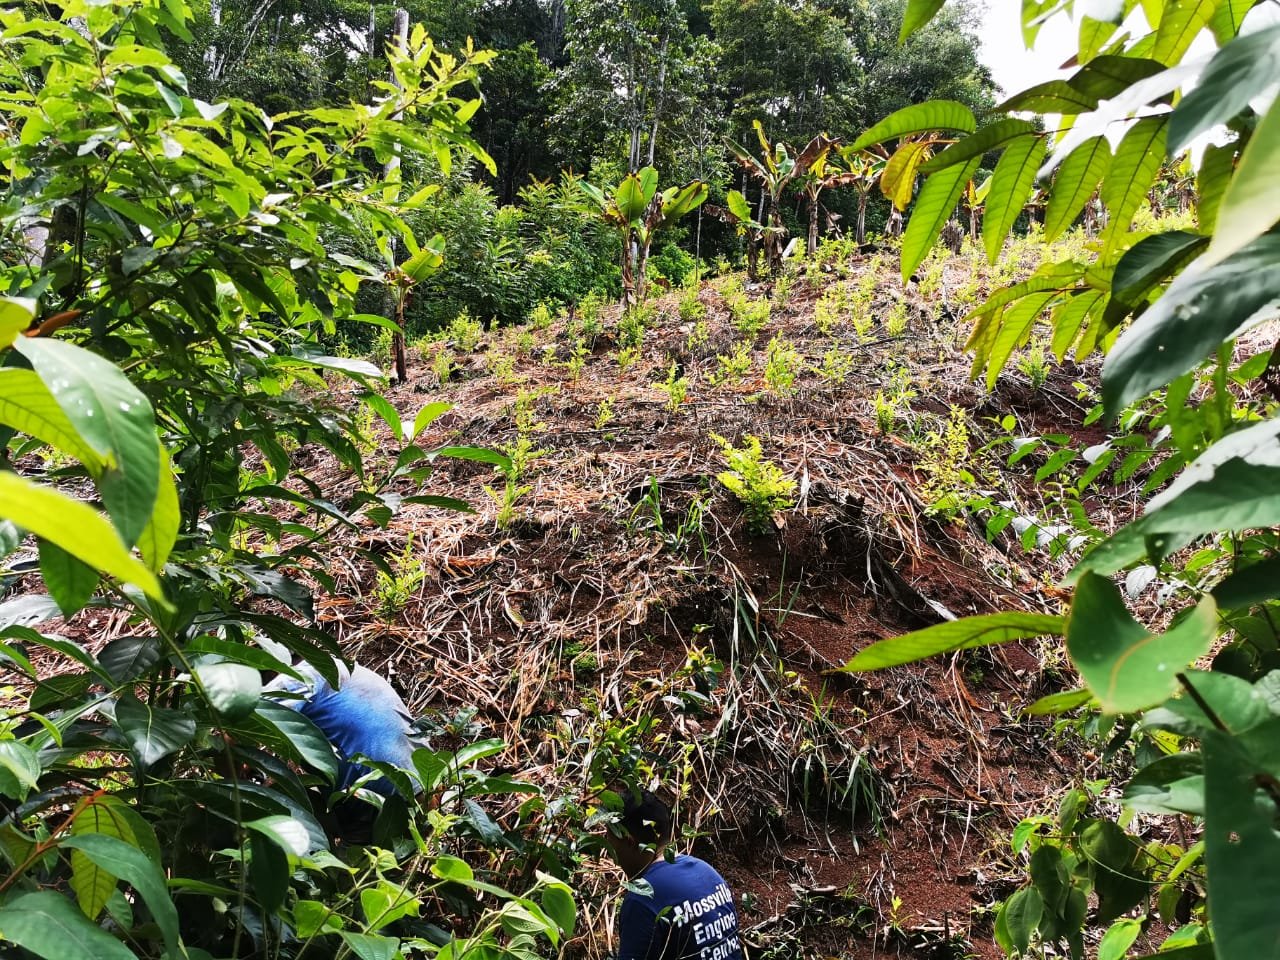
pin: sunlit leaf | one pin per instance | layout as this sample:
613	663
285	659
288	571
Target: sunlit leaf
898	179
937	199
73	526
1182	20
113	417
1200	309
918	118
1251	204
1011	184
991	137
1126	666
1132	171
1077	180
1242	70
917	15
963	634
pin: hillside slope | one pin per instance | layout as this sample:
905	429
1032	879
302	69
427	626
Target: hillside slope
611	605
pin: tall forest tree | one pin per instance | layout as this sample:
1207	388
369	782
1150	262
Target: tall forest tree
628	73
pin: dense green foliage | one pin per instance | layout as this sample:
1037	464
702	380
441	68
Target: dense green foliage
1202	740
184	242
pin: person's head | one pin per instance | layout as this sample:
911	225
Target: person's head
641	831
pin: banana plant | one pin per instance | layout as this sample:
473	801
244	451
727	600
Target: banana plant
638	211
974	199
737	211
836	167
865	168
776	169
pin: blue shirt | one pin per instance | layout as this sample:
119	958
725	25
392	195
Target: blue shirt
689	917
364	715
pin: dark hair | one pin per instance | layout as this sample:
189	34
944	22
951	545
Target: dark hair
646	818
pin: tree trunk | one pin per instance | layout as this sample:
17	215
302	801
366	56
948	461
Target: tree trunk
657	100
862	218
814	211
642	265
628	272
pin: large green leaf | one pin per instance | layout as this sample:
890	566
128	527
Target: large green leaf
964	634
1251	204
291	733
19	769
938	197
233	689
1120	109
1105	77
268	872
917	15
1022	913
1077	179
991	137
113	417
648	183
1112	854
47	924
1242	70
127	658
1201	308
1172	784
1134	169
557	903
1249	585
1152	259
152	732
16	314
73	526
1232	484
424	263
1227	19
1216	169
1242	849
1182	20
687	198
70	582
130	864
1014	330
630	198
373	946
738	206
1011	184
1052	96
161	533
918	118
27	406
1127	667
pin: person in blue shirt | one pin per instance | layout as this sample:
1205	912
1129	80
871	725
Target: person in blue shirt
686	911
362	716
